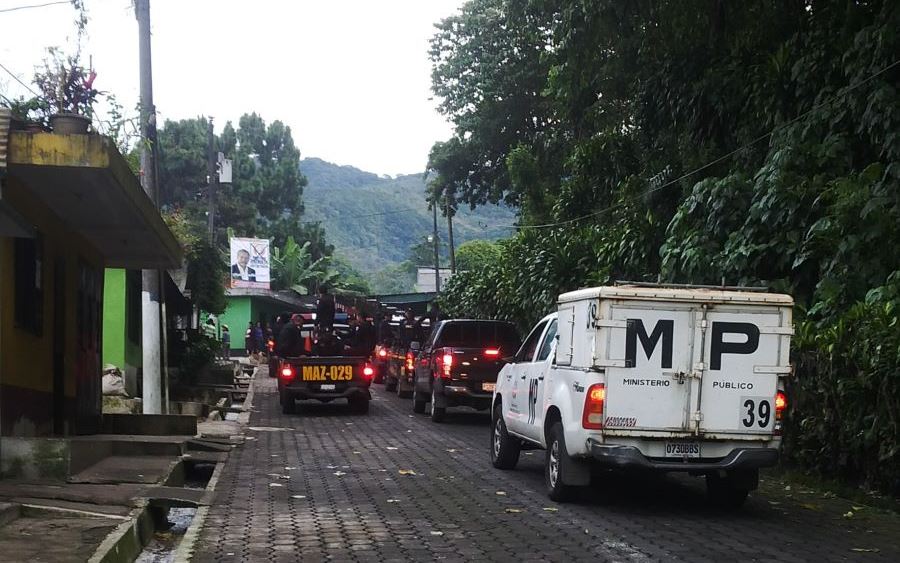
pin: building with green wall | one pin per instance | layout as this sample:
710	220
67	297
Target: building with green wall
258	305
122	320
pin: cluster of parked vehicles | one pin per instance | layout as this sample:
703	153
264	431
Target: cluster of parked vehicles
633	377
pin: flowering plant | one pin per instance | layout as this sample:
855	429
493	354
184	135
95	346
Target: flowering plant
65	85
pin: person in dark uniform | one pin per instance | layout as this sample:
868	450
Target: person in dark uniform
325	309
290	342
364	343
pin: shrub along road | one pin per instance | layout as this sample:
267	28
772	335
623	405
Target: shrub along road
389	486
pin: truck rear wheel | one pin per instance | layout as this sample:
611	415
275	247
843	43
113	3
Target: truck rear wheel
288	405
504	448
359	405
729	492
553	466
437	413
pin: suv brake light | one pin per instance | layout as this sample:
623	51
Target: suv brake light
592	416
492	352
444	362
410	361
780	406
368	371
382	353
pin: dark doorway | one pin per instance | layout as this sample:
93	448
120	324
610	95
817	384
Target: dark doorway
59	345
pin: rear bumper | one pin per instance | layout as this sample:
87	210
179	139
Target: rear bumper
301	393
463	396
629	457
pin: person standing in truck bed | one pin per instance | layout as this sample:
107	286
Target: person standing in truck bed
325	309
290	341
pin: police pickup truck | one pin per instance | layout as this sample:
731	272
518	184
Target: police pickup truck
644	377
325	374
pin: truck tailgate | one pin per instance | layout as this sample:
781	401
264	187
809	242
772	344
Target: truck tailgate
315	371
692	368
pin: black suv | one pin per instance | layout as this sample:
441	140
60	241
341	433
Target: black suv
459	363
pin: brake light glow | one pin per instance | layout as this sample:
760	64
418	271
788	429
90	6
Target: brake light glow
592	416
492	352
287	373
382	353
410	361
271	345
780	406
368	371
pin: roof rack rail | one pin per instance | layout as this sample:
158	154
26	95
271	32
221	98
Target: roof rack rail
756	288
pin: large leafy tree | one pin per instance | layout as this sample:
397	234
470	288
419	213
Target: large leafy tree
265	198
753	142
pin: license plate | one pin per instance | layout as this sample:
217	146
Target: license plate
683	449
326	373
488	386
326	387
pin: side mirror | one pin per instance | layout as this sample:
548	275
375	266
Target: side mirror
415	346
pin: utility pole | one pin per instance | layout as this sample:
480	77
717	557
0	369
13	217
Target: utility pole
437	259
450	234
213	180
150	295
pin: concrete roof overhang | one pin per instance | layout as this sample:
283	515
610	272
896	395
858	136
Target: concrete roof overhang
86	182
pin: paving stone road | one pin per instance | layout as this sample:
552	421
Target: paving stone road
390	486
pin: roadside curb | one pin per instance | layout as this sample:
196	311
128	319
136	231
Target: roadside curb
185	550
127	541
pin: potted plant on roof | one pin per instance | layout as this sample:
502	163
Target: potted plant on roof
27	114
68	89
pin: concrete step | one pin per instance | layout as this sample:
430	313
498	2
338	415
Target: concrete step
146	470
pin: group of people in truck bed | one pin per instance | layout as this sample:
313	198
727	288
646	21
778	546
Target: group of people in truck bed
326	341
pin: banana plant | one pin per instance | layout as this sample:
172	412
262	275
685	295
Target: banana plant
294	268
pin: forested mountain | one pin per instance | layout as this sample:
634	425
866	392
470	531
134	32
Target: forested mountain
372	220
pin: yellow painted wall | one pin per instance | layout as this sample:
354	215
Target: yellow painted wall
26	360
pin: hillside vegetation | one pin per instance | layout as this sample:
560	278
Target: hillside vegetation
372	221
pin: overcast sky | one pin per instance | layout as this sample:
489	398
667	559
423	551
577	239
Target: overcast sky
350	77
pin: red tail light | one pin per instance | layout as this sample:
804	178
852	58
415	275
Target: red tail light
410	361
780	406
368	371
271	345
492	352
287	373
447	363
382	353
592	417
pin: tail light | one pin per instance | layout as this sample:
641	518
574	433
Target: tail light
368	371
286	373
382	353
492	352
444	361
271	345
410	361
592	417
780	406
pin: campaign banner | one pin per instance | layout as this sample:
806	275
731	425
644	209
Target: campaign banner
250	263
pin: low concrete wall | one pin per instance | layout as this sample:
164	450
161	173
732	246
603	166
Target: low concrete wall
34	458
150	424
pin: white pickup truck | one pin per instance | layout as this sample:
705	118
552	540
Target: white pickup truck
650	377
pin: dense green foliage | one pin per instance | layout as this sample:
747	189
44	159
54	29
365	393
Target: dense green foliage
476	254
372	221
750	142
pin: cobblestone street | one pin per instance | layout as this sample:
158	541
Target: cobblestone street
392	486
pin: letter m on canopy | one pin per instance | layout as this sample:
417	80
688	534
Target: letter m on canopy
664	330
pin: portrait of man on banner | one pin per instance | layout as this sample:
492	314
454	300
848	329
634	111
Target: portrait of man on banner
250	265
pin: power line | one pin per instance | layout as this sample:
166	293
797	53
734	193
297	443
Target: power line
708	164
17	79
30	6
